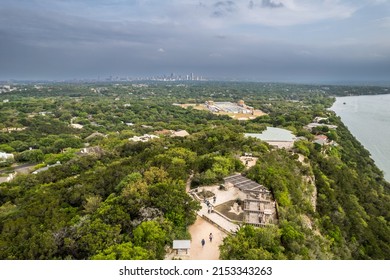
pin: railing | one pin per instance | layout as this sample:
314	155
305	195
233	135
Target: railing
256	225
218	226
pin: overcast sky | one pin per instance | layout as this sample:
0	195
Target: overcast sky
267	40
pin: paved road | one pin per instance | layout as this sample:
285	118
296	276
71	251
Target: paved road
20	169
23	168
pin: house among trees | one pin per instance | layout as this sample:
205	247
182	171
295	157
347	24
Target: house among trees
321	139
143	138
311	126
172	133
259	206
92	150
76	125
276	137
164	132
319	122
6	156
180	133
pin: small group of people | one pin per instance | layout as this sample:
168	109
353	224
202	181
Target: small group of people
208	202
203	242
209	205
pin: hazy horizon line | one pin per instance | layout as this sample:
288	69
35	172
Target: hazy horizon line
205	79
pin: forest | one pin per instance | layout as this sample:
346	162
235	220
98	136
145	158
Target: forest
106	197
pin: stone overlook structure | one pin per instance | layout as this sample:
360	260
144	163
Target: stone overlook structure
259	207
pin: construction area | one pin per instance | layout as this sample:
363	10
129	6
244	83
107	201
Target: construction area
239	110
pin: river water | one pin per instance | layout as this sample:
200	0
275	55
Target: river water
368	119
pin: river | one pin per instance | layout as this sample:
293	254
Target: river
368	119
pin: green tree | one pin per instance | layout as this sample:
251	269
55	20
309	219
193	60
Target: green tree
151	236
33	156
124	251
251	243
95	236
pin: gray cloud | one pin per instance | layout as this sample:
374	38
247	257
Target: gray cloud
53	30
223	8
221	38
271	4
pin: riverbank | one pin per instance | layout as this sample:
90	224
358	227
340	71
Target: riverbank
368	119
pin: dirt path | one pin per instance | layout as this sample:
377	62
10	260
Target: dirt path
201	229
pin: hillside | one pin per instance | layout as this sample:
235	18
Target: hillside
109	190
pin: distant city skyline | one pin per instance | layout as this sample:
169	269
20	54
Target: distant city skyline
112	78
258	40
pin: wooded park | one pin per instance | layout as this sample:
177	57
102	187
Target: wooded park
90	190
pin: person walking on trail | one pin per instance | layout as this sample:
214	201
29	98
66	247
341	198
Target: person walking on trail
211	237
203	242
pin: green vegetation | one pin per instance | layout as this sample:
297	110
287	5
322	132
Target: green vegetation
127	200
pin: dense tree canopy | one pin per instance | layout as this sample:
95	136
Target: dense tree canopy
127	200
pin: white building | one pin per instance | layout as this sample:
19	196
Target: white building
180	133
76	125
143	138
6	156
277	137
310	126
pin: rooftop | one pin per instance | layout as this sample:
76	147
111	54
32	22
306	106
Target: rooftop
274	134
6	155
180	133
244	184
181	244
143	138
310	126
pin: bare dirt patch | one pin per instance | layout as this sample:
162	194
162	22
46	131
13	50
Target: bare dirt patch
231	209
206	194
238	116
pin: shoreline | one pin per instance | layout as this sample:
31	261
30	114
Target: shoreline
361	116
